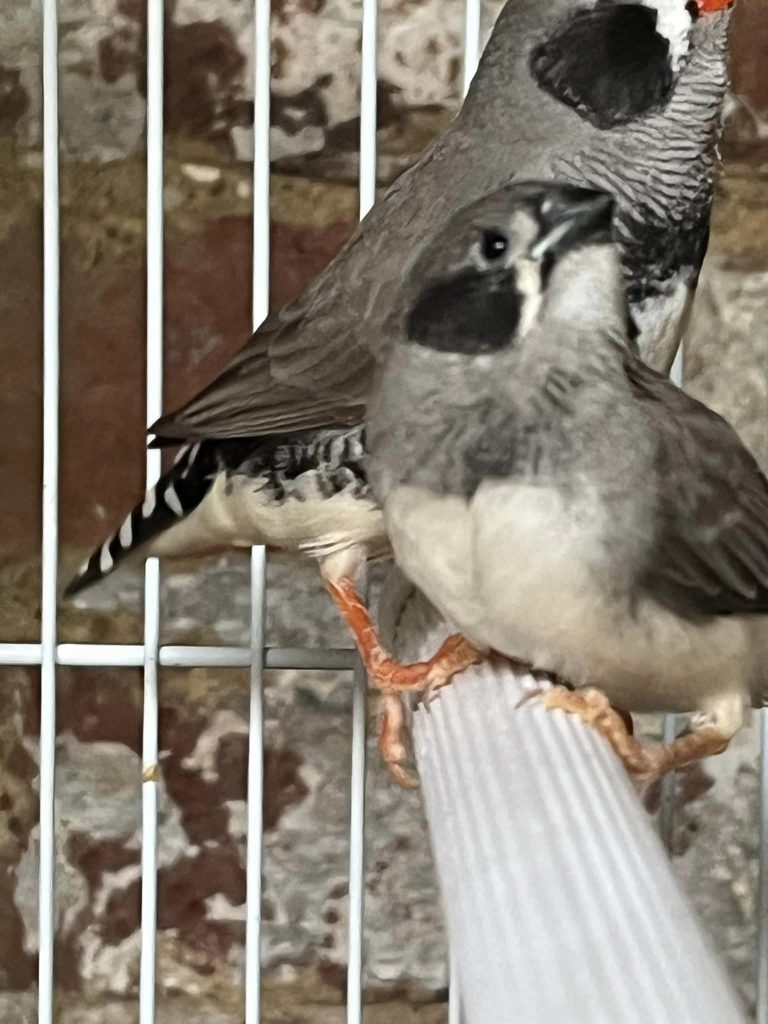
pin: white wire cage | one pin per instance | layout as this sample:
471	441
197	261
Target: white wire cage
149	655
49	654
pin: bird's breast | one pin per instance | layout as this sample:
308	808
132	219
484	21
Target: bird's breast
507	564
539	574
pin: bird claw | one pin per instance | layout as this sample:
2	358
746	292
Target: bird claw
388	674
391	747
529	695
393	678
643	764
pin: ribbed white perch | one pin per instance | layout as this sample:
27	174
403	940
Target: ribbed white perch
560	899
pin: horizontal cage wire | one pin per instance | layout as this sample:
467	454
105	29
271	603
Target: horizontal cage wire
150	655
179	656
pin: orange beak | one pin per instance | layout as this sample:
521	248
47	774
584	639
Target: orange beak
710	6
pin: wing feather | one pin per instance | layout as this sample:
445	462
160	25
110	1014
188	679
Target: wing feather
710	551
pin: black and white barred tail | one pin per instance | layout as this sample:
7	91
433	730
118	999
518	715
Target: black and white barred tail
174	496
262	473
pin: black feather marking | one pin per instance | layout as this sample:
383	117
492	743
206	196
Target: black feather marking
280	464
471	312
655	251
607	62
504	446
501	450
190	477
276	465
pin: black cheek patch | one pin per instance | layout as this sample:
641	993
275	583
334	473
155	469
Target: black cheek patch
471	313
608	63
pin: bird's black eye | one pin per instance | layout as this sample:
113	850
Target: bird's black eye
494	245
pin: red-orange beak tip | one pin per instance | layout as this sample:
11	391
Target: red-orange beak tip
711	6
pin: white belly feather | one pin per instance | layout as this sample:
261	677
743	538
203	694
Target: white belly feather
237	512
518	571
662	319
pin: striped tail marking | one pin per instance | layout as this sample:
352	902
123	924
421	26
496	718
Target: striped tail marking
177	493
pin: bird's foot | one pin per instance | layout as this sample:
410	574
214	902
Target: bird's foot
454	655
393	678
644	764
388	674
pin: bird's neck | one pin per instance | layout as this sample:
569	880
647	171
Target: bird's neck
585	296
662	169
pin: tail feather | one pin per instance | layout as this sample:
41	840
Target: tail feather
177	493
333	457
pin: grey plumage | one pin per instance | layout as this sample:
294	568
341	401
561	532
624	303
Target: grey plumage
310	364
557	499
623	96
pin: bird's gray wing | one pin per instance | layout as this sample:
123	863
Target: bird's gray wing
710	550
257	395
310	364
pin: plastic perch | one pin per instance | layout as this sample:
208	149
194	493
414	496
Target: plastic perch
560	900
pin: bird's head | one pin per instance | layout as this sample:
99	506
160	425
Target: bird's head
611	61
525	256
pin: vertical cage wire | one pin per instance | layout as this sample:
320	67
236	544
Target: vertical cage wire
50	500
48	645
356	911
761	903
356	850
368	113
150	776
154	401
472	39
262	66
255	824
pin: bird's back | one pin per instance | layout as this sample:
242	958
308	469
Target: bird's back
660	165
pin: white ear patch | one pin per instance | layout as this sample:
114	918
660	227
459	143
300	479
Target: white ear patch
528	279
674	23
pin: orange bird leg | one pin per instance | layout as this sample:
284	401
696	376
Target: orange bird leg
392	677
643	763
389	675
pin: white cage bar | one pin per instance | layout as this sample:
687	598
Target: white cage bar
154	403
473	31
262	66
356	870
762	882
50	545
255	834
150	655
